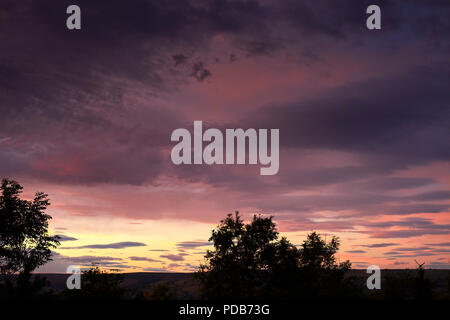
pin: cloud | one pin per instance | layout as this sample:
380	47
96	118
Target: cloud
411	227
441	244
431	196
99	119
422	254
87	259
439	265
335	120
63	237
199	72
193	244
392	253
173	265
97	92
155	269
61	262
399	263
179	59
356	251
116	245
406	233
398	254
173	257
143	259
412	249
380	245
190	267
395	183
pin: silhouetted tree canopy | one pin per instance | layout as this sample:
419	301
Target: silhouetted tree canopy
250	261
24	240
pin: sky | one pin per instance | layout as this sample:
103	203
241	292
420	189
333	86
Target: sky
86	117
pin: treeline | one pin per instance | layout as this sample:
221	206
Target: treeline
249	261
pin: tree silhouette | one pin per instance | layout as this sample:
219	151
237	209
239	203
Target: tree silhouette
320	275
24	240
250	261
240	257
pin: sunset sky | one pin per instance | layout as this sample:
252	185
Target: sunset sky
364	117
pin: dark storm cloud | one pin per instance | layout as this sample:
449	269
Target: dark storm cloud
63	82
356	118
113	32
63	92
404	126
116	245
68	116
